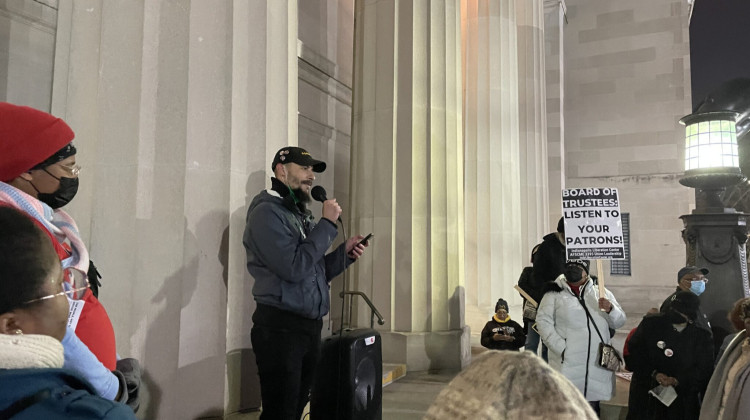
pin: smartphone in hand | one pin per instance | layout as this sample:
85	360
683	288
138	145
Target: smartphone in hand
366	238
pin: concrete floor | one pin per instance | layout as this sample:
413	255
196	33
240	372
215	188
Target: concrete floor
406	399
409	397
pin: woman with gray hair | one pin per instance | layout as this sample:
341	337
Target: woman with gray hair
510	385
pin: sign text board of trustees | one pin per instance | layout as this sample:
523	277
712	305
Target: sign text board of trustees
593	228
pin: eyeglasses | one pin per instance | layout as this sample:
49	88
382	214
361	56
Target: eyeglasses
73	170
70	292
703	279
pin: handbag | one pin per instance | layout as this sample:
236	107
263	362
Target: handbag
607	357
529	311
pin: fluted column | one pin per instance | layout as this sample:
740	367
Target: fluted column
532	98
407	177
264	119
493	194
175	129
554	24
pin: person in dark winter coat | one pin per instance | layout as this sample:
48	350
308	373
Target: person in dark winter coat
501	332
288	259
549	261
531	284
669	350
692	279
33	318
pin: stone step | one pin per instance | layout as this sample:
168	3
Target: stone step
392	372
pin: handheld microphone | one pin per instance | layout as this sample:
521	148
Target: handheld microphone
318	193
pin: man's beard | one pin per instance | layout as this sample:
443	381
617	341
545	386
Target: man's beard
302	196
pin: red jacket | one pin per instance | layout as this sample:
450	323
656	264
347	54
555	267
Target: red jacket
94	327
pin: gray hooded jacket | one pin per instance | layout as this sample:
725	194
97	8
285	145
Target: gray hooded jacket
286	257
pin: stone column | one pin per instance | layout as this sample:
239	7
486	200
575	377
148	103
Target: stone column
407	177
718	241
532	114
554	24
176	129
27	50
264	119
494	256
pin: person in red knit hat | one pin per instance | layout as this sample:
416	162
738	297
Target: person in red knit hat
39	175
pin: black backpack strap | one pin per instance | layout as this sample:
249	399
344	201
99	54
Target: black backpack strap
24	403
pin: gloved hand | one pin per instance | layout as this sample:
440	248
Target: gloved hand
131	371
79	358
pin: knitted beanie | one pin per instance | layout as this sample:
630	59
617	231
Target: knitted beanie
501	303
510	385
28	137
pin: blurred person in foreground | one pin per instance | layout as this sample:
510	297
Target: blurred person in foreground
728	393
33	318
509	385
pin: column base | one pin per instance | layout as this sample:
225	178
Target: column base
428	351
243	384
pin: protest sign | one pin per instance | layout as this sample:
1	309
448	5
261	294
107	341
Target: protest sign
593	229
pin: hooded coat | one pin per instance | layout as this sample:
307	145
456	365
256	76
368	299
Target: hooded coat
549	261
687	356
572	339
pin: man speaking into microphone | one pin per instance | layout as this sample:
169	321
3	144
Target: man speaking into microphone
286	257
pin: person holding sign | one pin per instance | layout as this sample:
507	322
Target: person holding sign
572	317
549	261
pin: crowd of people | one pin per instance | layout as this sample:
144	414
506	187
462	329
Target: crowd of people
676	374
58	356
51	316
57	344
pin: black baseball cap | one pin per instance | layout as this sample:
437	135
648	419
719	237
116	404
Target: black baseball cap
298	155
690	269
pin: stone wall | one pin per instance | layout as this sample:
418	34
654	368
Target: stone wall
627	84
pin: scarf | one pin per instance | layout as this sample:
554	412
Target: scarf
57	222
30	351
507	318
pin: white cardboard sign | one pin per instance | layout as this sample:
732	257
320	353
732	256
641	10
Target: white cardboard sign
593	228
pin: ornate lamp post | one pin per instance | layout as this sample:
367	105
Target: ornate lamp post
715	235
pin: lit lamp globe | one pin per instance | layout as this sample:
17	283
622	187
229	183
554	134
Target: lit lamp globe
712	160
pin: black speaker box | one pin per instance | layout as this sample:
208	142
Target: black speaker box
349	380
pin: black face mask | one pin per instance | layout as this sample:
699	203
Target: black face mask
67	190
675	317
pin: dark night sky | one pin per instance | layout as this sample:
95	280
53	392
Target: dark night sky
719	44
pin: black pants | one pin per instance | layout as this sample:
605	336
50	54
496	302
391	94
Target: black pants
287	348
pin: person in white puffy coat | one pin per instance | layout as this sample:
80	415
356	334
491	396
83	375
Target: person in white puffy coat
570	334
